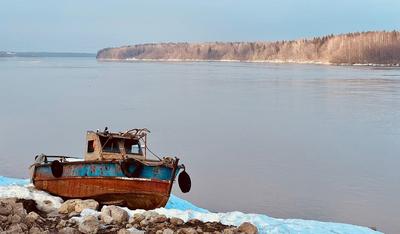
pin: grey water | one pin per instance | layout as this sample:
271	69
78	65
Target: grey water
290	141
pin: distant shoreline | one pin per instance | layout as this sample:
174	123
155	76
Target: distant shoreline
11	54
248	61
375	48
88	55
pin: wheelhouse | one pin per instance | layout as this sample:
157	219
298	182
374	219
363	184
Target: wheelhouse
116	146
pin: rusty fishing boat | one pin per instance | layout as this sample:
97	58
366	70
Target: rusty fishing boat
115	170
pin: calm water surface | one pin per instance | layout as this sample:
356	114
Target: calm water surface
298	141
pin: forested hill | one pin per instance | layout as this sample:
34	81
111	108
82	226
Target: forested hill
352	48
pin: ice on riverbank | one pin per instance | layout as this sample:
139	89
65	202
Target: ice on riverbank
12	181
177	203
176	207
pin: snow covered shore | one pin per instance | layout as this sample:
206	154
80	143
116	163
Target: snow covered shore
176	207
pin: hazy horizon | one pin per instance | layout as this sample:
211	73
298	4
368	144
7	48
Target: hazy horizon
89	26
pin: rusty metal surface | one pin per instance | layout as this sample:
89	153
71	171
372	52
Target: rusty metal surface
136	193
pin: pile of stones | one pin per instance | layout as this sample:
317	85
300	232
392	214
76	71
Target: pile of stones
23	216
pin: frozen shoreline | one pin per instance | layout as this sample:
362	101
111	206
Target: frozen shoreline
248	61
176	207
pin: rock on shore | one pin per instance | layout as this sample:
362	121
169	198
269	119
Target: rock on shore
80	216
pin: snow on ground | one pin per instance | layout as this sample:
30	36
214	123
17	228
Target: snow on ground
177	207
21	188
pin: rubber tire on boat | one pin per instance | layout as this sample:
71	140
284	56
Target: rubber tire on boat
127	163
184	182
56	168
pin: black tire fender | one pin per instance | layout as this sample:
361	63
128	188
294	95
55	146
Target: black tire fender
127	163
184	182
56	168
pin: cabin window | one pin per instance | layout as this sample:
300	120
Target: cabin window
109	145
132	147
90	146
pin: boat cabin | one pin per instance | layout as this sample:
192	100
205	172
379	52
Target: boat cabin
116	146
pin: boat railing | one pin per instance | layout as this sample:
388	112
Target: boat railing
42	158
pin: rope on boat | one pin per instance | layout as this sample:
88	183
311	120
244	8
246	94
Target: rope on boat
151	151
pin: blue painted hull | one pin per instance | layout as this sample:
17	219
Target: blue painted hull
108	169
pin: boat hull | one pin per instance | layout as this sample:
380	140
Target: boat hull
144	192
134	193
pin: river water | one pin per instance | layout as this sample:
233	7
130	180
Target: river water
292	141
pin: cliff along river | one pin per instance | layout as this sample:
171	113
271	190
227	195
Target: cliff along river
290	141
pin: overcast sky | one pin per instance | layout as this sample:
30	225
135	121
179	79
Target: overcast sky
89	25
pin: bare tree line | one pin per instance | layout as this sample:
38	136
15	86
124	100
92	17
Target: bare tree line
353	48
